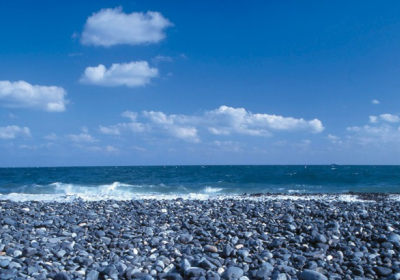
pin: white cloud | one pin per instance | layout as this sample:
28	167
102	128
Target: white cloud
184	133
178	126
130	115
159	117
226	120
24	95
131	74
13	131
375	102
222	121
385	118
373	119
390	118
110	27
81	138
111	130
384	131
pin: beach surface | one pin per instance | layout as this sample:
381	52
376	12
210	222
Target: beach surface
243	237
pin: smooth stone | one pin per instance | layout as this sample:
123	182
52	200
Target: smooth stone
311	275
394	238
185	238
382	271
210	248
17	253
61	253
243	253
232	273
320	238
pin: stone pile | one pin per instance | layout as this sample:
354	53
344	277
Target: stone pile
200	239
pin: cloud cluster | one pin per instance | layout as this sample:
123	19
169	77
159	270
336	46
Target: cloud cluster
110	27
222	121
384	118
384	129
13	132
227	120
131	74
24	95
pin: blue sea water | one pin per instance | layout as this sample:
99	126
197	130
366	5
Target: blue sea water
158	181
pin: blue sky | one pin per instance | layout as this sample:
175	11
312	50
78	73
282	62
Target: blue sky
199	82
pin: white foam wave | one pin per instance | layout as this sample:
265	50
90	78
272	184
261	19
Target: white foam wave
70	198
211	190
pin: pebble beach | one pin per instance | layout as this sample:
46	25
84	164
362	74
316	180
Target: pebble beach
242	237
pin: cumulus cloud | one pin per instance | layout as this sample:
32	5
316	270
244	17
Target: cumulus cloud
13	132
24	95
375	102
389	118
222	121
384	118
227	120
110	27
131	74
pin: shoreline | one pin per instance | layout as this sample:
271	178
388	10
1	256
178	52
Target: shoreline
347	196
253	237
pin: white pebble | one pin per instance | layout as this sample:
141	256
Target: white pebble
220	270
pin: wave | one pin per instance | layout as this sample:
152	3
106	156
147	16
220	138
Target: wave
21	197
211	190
115	188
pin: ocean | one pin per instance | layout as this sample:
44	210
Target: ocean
98	183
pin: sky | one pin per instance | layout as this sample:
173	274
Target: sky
93	83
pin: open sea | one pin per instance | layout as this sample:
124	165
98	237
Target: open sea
97	183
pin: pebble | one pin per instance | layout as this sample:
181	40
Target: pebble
228	238
232	272
210	248
311	275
